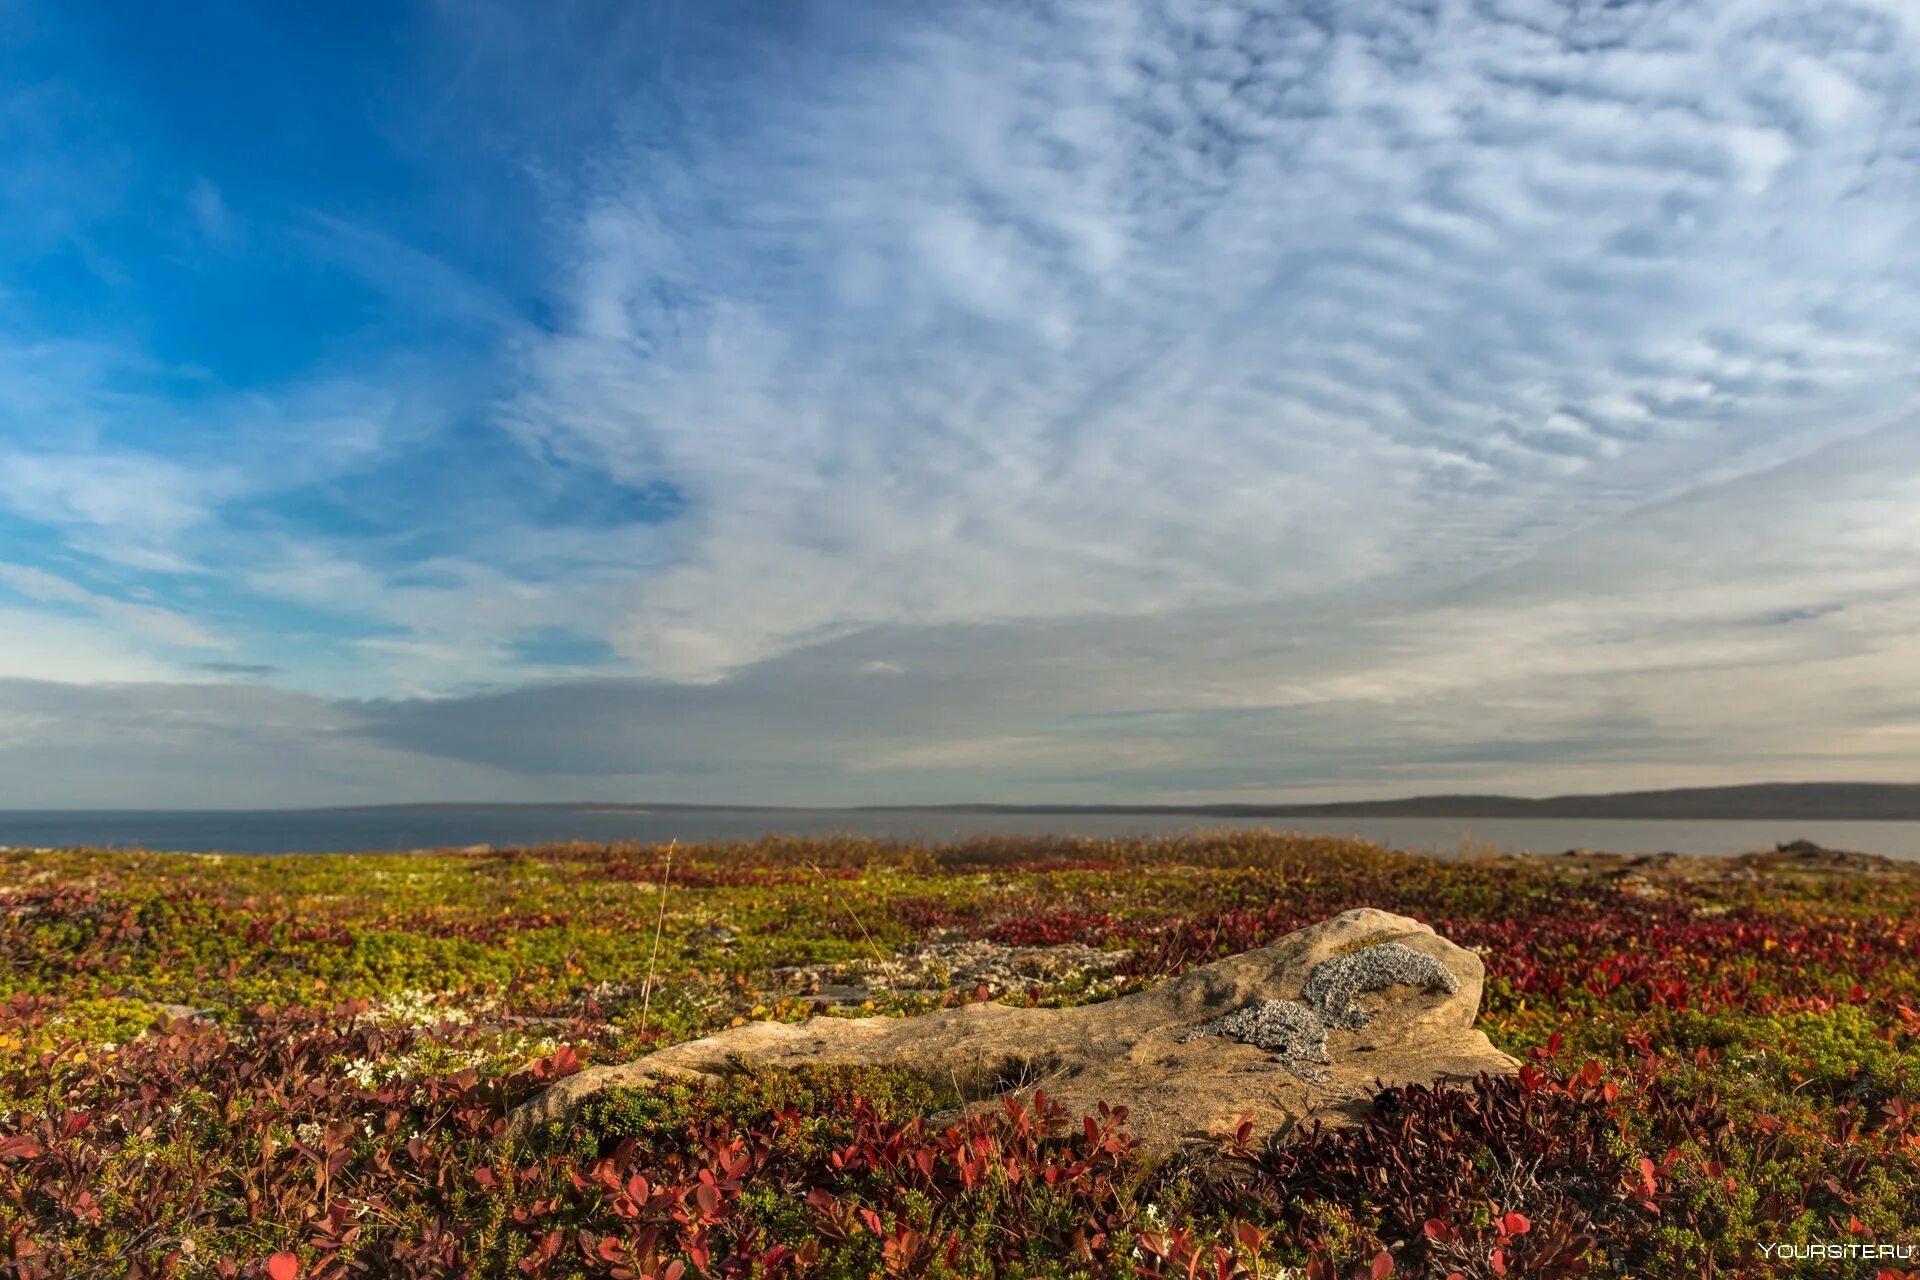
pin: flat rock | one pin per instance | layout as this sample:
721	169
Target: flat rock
1148	1051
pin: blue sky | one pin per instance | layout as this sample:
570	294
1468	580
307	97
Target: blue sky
851	402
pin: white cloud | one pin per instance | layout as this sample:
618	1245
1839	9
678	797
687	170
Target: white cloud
69	417
37	646
1116	309
135	504
136	620
68	413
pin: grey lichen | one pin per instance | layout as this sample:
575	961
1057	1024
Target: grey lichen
1285	1028
1333	984
1295	1031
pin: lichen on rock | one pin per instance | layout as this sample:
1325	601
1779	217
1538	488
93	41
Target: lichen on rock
1287	1029
1295	1031
1333	984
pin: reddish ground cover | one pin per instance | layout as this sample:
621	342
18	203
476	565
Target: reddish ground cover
1721	1072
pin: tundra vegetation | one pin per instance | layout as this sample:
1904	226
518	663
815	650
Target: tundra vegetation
279	1067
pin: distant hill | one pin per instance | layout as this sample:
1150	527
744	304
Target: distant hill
1760	802
1770	801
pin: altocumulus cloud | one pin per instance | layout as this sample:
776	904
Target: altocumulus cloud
1104	309
1116	400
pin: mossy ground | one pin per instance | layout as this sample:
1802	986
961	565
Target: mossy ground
1738	1056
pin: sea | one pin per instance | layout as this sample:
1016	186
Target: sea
398	829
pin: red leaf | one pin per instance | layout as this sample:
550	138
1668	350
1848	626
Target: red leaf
1515	1224
1434	1229
283	1266
20	1147
707	1198
1243	1133
1382	1265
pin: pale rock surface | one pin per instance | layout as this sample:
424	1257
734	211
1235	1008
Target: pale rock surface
1142	1050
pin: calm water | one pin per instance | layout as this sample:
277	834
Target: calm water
334	830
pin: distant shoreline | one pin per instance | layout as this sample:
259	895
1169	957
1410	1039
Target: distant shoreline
1759	802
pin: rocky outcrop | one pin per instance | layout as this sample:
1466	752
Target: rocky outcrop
1386	1001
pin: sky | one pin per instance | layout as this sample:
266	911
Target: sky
845	402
